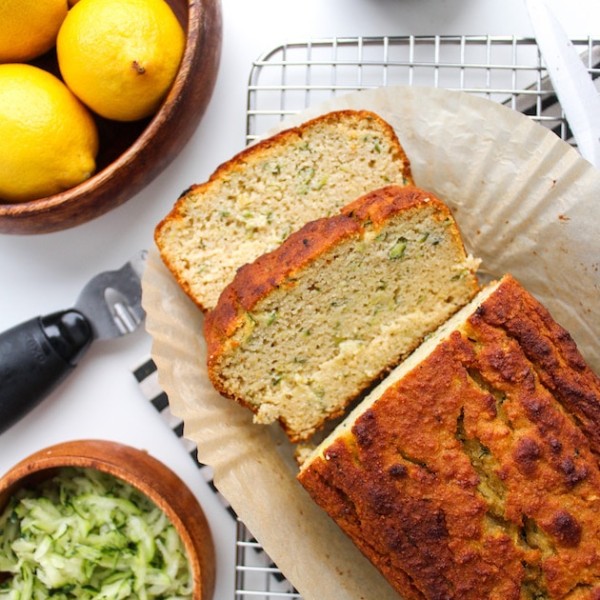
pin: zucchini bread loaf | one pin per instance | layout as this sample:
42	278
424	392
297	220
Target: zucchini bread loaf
472	471
255	200
305	329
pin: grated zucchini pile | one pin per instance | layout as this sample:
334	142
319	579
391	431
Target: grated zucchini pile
87	535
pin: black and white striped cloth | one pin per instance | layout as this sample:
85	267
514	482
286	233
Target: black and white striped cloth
147	377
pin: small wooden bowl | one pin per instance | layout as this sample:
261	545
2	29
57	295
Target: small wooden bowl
132	154
142	471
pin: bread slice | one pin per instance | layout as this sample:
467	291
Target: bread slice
255	200
305	329
472	471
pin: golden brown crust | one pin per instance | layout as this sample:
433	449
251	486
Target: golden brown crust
379	206
276	269
474	475
551	348
254	153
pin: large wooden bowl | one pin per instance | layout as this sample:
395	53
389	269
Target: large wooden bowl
132	154
140	470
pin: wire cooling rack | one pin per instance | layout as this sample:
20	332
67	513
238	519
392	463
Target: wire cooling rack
509	70
291	77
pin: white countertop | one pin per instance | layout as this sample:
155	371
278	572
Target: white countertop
42	274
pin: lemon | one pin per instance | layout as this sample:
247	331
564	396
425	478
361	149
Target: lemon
120	57
28	28
49	139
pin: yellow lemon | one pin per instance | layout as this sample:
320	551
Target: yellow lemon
28	28
120	57
49	139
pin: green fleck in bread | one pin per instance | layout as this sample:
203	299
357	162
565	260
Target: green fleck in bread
255	200
305	329
472	471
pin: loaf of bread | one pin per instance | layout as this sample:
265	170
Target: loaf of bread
255	200
472	471
305	329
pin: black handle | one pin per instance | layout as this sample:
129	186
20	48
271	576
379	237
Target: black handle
35	357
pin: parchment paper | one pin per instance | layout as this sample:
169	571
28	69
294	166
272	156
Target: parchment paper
526	203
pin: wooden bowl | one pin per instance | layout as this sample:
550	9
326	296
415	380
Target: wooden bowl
132	154
140	470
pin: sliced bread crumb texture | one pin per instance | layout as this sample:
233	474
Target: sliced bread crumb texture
255	200
472	471
307	328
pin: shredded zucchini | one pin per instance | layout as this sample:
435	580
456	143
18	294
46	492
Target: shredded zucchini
87	535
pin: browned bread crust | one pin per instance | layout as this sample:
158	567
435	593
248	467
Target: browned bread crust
476	474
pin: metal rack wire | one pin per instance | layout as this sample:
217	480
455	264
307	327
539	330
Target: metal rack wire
256	576
293	76
509	70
